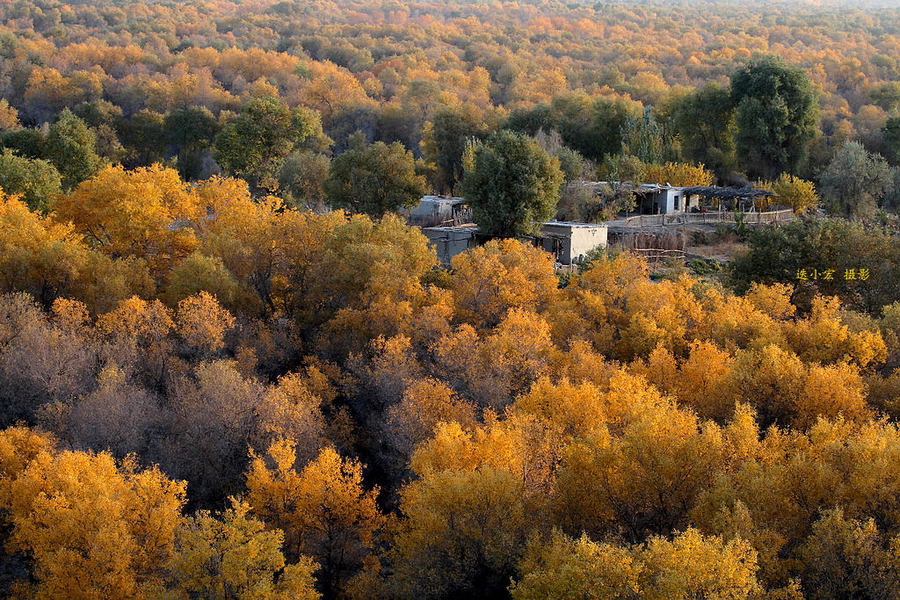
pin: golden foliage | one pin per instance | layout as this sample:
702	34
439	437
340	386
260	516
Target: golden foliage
323	509
235	557
146	213
678	174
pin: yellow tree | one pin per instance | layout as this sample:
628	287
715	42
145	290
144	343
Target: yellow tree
790	191
202	323
49	260
146	213
461	534
425	404
689	566
140	333
643	479
292	409
848	558
94	529
694	566
567	568
679	174
490	280
234	558
323	509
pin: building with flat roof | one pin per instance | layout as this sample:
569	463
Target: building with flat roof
568	242
436	211
450	241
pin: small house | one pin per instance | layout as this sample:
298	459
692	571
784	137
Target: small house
435	211
450	241
656	199
570	242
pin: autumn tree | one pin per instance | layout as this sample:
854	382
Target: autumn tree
643	479
791	191
198	272
233	557
462	533
374	179
202	323
146	213
214	420
112	524
119	416
689	566
511	184
678	174
9	116
49	259
490	280
323	509
424	405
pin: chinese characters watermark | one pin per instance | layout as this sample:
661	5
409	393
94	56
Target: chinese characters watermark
852	274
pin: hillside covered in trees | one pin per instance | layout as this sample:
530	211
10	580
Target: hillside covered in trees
229	370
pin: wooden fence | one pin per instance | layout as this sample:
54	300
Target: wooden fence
654	246
749	218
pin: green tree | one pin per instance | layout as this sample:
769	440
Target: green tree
71	147
777	115
644	137
255	144
512	185
302	179
374	179
36	180
593	127
891	139
29	142
855	182
144	138
446	141
98	112
704	120
777	255
191	131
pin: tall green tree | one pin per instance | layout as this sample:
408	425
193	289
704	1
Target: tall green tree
891	139
777	116
144	138
374	179
191	132
71	147
511	184
645	138
593	127
855	182
445	143
255	144
302	177
704	120
36	180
